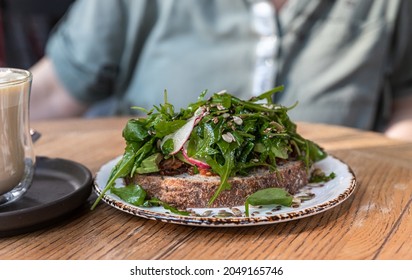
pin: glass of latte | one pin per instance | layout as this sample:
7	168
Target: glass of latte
17	159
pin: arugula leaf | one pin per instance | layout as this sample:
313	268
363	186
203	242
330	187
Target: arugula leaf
315	152
279	149
150	164
168	146
133	194
140	155
267	197
135	131
224	100
318	176
225	170
121	169
165	127
245	152
267	95
201	147
156	202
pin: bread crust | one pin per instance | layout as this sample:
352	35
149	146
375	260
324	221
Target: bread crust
194	191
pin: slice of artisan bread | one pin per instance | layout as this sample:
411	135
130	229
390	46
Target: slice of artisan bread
194	191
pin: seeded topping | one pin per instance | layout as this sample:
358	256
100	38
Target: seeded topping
223	134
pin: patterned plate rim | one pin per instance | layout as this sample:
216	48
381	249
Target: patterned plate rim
293	214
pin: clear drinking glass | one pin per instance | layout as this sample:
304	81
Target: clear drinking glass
17	159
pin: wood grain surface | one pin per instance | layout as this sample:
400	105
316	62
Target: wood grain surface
374	223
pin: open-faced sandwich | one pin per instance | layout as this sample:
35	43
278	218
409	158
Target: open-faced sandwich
218	152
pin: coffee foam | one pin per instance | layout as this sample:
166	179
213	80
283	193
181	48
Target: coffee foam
8	76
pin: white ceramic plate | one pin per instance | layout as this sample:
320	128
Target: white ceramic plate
324	197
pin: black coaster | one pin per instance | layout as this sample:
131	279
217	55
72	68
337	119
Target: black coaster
59	187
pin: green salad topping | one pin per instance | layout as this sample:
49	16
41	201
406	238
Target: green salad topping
223	134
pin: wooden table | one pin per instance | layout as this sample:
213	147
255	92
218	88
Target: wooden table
374	223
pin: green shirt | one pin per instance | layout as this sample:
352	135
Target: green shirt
342	61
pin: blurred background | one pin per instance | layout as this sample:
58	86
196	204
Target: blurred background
24	28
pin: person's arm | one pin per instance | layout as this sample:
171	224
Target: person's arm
49	98
400	126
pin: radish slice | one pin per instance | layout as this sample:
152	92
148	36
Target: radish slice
198	163
181	135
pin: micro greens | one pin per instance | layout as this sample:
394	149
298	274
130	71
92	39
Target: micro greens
231	136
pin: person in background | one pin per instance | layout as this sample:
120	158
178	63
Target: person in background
346	62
